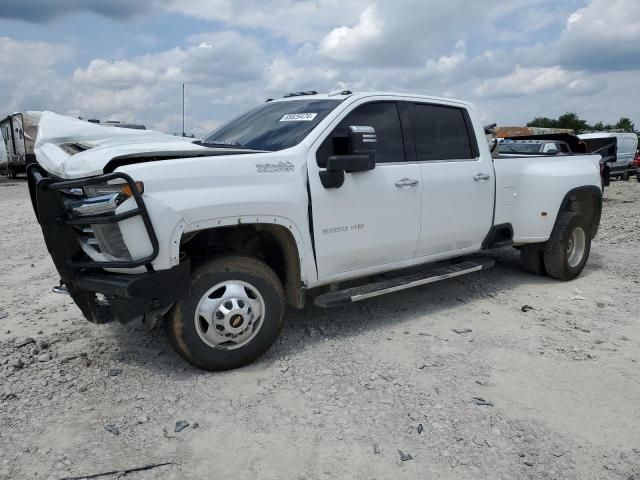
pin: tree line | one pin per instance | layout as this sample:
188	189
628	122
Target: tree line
571	120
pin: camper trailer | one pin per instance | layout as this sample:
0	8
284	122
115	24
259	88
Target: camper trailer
19	131
3	158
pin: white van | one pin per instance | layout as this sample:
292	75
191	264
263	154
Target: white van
616	148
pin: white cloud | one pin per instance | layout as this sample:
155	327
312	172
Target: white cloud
529	81
27	75
297	20
348	43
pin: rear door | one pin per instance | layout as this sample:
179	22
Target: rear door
373	219
458	184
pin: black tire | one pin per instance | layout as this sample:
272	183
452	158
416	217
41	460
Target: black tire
532	259
625	176
11	173
180	323
556	258
638	176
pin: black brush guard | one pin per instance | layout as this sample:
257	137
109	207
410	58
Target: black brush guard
127	297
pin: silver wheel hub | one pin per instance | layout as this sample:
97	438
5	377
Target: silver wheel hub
576	245
229	315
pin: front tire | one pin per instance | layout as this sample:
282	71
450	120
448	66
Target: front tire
232	316
625	176
568	248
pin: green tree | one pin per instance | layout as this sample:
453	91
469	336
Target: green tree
571	120
568	120
625	124
543	122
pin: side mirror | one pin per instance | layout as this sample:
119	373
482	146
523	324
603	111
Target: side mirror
361	157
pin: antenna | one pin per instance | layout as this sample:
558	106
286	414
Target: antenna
183	133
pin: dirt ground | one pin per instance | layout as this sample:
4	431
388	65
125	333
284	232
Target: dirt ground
344	393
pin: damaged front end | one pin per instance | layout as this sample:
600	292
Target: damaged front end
79	223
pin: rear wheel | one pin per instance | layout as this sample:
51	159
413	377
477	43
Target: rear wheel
11	173
232	317
568	248
625	176
532	259
638	175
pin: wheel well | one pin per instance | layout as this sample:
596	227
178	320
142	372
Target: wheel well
273	244
587	202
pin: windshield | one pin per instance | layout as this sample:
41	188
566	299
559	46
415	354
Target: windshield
272	126
519	147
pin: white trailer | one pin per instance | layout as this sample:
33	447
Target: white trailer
19	132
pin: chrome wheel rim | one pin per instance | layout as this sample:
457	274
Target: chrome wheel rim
229	315
576	246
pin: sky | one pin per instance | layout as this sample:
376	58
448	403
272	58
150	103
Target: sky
127	60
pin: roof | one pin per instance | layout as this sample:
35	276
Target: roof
358	95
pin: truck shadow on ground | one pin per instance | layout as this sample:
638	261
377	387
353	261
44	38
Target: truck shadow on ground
312	325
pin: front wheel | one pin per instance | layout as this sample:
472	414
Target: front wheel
625	176
568	248
232	316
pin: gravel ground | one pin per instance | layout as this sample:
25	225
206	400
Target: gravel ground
381	389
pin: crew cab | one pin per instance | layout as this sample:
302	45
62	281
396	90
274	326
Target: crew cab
338	197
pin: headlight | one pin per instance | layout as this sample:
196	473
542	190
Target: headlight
111	188
110	241
102	205
104	198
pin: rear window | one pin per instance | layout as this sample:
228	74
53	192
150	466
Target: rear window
517	147
440	132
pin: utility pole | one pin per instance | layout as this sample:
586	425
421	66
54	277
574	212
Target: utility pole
183	132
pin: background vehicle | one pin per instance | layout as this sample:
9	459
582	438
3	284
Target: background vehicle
617	149
3	157
19	131
298	194
634	167
533	147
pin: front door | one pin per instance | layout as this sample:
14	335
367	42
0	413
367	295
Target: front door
373	219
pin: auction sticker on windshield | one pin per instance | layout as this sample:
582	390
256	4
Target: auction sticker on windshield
298	117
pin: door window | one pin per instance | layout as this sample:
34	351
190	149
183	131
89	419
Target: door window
441	133
383	117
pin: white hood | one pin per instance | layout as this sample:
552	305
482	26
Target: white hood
102	144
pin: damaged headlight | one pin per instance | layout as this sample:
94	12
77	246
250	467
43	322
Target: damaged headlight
110	240
101	205
110	188
104	198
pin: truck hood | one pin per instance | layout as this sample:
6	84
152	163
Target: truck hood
70	148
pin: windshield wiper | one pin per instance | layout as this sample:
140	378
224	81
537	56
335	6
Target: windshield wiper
220	144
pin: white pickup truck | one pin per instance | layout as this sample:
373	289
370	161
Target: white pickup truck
218	236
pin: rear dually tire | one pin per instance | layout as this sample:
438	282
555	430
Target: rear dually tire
568	248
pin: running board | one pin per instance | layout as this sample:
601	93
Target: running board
435	274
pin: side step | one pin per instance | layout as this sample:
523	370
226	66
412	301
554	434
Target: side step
435	274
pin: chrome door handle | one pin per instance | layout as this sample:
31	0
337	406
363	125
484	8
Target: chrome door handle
481	176
406	182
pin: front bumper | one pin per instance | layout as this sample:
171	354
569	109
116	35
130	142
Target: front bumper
124	297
